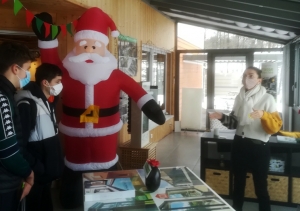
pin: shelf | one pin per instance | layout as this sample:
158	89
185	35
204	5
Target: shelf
284	174
278	150
215	164
289	153
295	171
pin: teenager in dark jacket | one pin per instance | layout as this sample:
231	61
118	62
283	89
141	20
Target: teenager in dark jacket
15	60
36	103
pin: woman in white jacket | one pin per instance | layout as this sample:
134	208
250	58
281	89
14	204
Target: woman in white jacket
255	118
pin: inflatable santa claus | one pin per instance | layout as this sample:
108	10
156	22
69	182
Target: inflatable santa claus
92	83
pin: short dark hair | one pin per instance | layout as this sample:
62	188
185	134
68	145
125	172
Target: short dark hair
257	70
13	53
47	71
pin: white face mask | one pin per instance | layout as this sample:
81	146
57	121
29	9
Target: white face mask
56	89
250	83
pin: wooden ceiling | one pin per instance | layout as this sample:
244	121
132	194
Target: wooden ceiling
51	6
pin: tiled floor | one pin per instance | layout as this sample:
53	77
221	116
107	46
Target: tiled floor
181	149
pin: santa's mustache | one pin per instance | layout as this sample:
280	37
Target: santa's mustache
96	58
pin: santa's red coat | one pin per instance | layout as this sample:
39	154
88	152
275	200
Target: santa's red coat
91	146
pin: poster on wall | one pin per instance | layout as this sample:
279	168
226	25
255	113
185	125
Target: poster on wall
269	77
127	55
127	51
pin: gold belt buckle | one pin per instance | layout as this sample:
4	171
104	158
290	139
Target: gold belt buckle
91	114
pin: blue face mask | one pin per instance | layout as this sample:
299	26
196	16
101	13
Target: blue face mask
26	80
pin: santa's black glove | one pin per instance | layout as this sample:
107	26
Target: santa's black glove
153	111
46	17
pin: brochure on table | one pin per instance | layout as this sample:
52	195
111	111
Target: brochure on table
180	189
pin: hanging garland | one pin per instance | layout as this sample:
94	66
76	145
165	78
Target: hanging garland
39	23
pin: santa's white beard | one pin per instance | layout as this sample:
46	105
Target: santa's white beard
90	73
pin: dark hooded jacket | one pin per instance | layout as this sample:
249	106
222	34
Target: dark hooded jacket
13	167
40	133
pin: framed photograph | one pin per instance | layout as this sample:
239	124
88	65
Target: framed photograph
127	55
127	51
192	204
96	183
183	192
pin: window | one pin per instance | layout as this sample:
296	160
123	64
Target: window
297	74
271	65
153	70
145	66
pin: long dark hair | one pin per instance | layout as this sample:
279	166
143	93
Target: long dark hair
257	70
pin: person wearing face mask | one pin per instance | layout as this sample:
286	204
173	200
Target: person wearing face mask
255	118
15	60
36	104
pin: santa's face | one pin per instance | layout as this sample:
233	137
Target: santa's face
90	46
90	62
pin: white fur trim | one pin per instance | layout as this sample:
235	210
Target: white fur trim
90	73
91	166
89	100
115	33
89	95
90	132
144	100
90	34
47	44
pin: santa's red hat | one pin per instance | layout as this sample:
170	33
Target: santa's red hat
94	24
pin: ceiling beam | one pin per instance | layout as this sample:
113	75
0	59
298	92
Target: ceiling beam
273	4
250	8
233	17
232	31
175	14
228	11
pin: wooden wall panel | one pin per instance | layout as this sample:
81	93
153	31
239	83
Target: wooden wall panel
136	19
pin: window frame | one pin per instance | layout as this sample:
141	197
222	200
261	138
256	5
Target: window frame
152	50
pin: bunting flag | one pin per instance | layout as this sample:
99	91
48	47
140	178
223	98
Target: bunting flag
69	28
49	28
29	17
75	23
39	23
63	30
54	31
17	6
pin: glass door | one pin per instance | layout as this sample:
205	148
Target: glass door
228	73
193	91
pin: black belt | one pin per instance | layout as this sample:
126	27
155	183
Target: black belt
77	112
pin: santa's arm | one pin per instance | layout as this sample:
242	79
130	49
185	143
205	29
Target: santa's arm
144	100
153	111
49	53
47	44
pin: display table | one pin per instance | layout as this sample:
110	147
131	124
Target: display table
283	176
180	189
